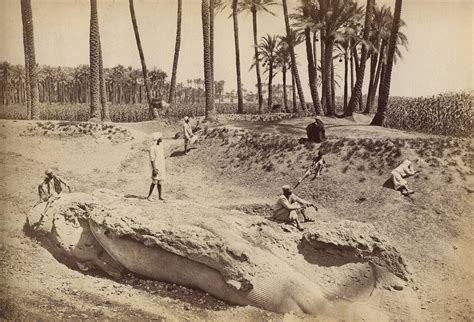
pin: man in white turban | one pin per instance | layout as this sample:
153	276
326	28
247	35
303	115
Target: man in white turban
51	186
157	160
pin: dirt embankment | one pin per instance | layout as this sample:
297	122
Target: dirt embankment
243	168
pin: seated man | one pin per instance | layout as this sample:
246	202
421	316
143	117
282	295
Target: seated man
315	131
399	173
51	186
289	206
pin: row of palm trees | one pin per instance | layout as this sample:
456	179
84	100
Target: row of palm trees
345	31
336	23
123	85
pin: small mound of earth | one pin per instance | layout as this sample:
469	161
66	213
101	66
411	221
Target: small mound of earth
107	132
242	259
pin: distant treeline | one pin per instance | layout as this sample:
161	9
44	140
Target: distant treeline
124	85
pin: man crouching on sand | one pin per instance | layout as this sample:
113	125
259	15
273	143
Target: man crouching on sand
51	186
289	206
157	160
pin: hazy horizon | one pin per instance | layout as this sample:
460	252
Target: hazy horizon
440	56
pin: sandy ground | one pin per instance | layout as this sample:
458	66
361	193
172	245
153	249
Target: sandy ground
433	230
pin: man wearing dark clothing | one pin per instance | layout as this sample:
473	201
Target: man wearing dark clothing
315	131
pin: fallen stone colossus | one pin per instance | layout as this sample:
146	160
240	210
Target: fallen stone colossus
242	259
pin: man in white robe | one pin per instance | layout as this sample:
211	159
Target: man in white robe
399	174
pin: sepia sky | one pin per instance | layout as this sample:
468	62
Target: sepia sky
440	34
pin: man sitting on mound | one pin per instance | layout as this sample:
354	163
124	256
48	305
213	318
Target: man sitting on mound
289	206
315	131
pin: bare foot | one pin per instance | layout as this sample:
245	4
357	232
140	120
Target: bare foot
149	199
162	199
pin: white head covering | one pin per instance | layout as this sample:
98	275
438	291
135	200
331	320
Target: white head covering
186	118
286	187
156	136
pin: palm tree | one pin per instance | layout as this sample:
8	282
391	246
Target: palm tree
94	64
357	90
172	91
384	93
334	16
283	62
380	31
27	74
152	111
307	18
380	56
103	93
268	57
205	15
240	101
255	6
32	70
345	40
294	67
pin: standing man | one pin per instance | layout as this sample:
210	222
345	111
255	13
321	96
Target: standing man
189	137
51	186
289	205
157	160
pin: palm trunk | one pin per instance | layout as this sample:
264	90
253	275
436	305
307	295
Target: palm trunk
103	93
384	92
312	73
172	91
352	70
294	67
356	63
94	64
371	98
285	96
373	66
27	70
361	71
346	71
270	89
327	77
211	44
257	61
323	73
152	112
293	92
333	86
31	59
240	100
205	13
315	56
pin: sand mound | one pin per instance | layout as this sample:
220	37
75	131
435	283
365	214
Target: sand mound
104	132
247	260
